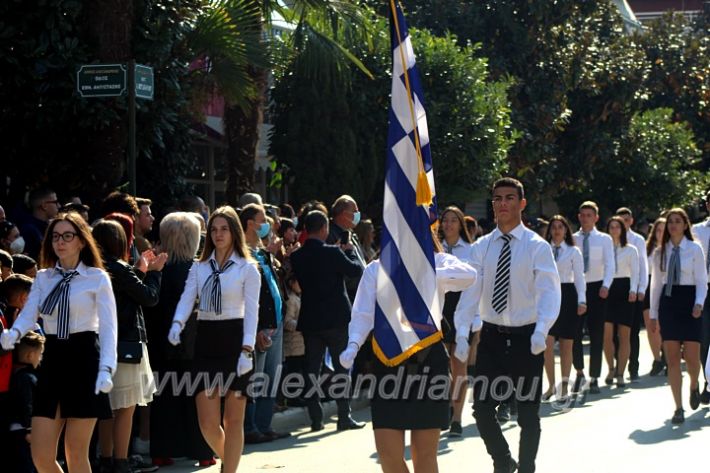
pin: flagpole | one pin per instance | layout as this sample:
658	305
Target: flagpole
423	190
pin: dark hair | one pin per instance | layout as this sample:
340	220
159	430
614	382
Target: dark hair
5	259
651	242
75	207
624	211
239	244
89	255
191	203
5	227
623	241
30	342
568	229
463	229
438	247
471	226
341	204
16	283
308	207
510	182
315	221
588	204
287	211
667	236
249	212
119	202
111	238
21	263
286	223
38	195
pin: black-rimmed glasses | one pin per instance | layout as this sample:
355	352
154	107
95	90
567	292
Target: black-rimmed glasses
66	236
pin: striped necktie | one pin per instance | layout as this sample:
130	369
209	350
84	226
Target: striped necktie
60	297
502	281
211	296
585	250
673	277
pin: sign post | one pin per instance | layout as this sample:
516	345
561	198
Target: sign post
101	80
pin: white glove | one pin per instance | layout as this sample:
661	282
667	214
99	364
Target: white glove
9	338
103	382
174	334
461	351
537	343
245	363
347	357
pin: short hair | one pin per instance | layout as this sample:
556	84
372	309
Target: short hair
248	213
6	260
588	204
75	207
30	342
16	283
111	238
250	198
191	203
510	182
141	201
341	204
315	221
89	255
286	223
22	263
6	227
180	236
624	211
119	202
38	195
287	211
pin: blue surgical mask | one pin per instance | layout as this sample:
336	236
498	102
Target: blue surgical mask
356	218
263	230
295	222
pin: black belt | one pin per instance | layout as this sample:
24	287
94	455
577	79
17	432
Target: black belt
522	330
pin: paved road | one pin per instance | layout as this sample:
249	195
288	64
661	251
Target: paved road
616	431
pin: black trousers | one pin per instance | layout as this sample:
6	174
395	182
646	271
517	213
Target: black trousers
335	340
594	321
705	340
505	362
635	342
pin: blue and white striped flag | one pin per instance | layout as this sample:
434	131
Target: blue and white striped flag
406	282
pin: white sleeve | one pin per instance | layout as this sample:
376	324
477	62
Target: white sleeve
30	312
578	269
188	297
608	254
467	308
701	275
643	268
108	322
362	318
634	269
656	284
452	274
252	288
548	292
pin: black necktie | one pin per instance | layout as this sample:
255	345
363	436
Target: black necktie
211	297
557	253
500	286
60	296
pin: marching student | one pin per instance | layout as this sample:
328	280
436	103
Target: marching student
518	299
226	282
424	416
655	237
570	267
598	257
622	296
679	284
638	242
456	241
701	232
73	295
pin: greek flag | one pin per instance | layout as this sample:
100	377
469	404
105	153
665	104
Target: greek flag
406	281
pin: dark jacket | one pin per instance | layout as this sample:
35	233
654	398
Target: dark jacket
320	270
334	237
131	293
267	307
22	389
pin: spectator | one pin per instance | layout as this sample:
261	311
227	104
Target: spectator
6	263
472	226
44	206
22	386
120	202
144	224
128	223
345	216
365	232
287	211
250	198
13	294
77	207
193	203
10	238
23	264
325	308
293	346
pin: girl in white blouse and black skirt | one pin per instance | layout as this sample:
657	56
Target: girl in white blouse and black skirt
226	282
570	267
622	295
72	294
678	289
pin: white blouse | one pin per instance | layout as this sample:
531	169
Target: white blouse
92	308
451	275
241	285
692	272
601	256
626	259
570	266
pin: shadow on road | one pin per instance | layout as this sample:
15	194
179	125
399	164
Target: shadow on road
668	432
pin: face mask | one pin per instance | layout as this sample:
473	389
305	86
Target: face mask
295	222
263	230
356	218
17	246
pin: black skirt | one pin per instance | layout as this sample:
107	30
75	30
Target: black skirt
218	344
66	378
647	299
568	321
619	310
675	315
451	300
421	404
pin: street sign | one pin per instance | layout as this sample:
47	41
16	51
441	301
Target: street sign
101	80
144	82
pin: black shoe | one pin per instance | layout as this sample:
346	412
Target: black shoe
122	466
139	465
705	396
694	398
594	387
511	467
634	376
255	437
455	430
656	368
317	426
678	417
350	424
105	465
503	414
